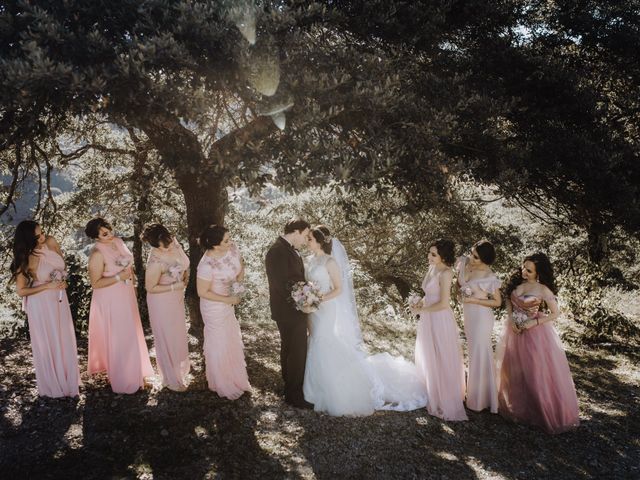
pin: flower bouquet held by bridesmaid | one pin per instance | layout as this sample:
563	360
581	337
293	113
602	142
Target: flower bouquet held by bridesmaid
219	269
166	275
438	351
479	290
116	339
535	384
39	272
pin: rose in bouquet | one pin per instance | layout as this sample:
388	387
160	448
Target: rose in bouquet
306	296
238	289
58	276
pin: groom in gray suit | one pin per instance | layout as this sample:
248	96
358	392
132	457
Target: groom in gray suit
285	268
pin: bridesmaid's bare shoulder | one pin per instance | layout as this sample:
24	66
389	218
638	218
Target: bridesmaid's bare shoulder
95	253
53	244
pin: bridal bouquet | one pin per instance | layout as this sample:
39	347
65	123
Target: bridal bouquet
238	289
307	296
123	262
58	276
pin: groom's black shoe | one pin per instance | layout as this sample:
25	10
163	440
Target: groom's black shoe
306	405
300	404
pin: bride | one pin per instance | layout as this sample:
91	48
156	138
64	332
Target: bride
340	378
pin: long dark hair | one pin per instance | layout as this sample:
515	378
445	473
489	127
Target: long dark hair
24	245
543	269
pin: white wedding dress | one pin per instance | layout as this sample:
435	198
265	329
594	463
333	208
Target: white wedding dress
340	379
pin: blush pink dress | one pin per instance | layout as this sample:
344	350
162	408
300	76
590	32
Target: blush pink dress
168	323
223	347
482	387
116	339
439	357
535	384
53	340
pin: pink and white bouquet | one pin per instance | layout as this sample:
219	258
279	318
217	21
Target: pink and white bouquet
466	291
58	276
306	296
413	301
238	289
520	317
176	272
123	262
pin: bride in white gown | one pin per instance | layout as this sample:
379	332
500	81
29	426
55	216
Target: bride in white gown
340	378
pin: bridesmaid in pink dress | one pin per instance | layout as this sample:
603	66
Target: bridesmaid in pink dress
38	269
165	279
438	351
219	269
116	339
480	292
535	384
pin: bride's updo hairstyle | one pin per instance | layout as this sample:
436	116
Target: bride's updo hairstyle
212	236
446	250
323	237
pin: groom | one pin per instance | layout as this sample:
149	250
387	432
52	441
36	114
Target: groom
284	268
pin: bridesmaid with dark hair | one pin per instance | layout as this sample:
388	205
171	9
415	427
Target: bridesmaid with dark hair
116	339
166	275
535	383
219	269
480	293
39	272
438	351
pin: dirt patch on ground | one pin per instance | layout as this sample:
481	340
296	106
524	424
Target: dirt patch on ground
161	434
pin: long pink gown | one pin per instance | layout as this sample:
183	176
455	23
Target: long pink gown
482	387
223	347
167	317
439	357
53	340
116	339
535	383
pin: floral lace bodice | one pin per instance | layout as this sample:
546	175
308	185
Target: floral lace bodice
316	272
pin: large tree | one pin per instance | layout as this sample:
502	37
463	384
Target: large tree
388	93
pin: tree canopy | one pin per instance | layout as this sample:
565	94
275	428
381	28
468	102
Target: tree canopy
534	98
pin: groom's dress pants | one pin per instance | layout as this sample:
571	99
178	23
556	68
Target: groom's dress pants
293	357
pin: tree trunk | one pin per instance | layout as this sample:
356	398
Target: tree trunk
204	191
206	203
597	235
141	186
